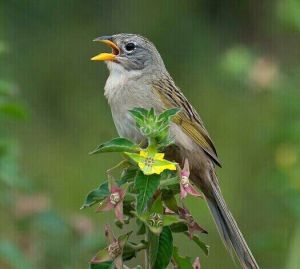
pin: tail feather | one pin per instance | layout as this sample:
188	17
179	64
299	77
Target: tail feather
228	229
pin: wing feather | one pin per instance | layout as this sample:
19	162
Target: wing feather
188	119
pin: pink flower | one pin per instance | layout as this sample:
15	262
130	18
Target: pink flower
185	185
114	251
114	202
193	226
196	264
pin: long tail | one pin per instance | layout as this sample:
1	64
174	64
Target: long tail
228	229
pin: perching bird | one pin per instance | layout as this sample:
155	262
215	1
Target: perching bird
139	78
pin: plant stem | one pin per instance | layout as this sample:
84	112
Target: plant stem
137	247
147	264
120	164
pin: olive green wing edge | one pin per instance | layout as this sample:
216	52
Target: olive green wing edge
191	127
198	134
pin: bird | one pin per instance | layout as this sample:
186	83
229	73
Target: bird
138	78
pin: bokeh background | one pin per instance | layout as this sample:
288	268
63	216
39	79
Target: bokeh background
237	61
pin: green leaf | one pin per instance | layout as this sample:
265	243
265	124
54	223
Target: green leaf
169	113
128	253
118	144
128	175
169	199
201	244
165	249
170	219
151	113
171	184
138	113
141	227
153	240
181	262
179	227
139	110
145	187
104	265
155	126
96	195
101	257
157	206
170	181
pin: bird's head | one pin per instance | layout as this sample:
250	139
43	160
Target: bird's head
132	52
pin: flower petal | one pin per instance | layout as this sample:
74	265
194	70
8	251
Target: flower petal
144	153
118	261
141	165
119	211
183	192
115	188
157	169
195	227
148	170
186	169
136	157
196	264
159	156
170	166
161	165
192	191
165	162
105	205
101	256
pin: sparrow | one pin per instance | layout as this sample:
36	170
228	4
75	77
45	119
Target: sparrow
138	78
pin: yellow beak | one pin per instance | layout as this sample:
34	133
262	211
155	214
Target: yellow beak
107	56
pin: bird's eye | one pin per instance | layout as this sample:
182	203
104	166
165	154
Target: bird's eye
130	46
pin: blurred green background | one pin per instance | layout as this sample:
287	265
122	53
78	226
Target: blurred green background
237	61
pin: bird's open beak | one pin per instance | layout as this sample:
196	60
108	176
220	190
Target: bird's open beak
107	56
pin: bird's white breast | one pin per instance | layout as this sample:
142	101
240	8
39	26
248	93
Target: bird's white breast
124	91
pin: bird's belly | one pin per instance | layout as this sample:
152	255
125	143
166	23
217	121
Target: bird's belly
126	126
126	98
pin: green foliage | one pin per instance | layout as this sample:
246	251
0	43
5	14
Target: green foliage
164	249
154	126
104	265
145	187
118	144
96	195
203	246
147	191
180	261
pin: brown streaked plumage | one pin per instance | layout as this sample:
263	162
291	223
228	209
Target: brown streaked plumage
188	118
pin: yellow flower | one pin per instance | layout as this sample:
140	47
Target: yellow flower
151	162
